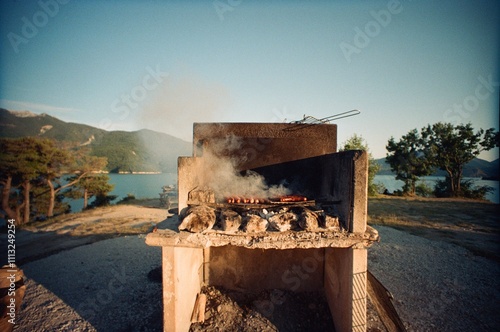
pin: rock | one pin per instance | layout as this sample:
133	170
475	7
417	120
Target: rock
198	219
332	223
283	221
200	196
230	220
255	224
308	220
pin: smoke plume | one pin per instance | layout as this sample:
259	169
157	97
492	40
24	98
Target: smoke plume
220	173
181	100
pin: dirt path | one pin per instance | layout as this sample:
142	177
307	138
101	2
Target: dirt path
104	286
437	286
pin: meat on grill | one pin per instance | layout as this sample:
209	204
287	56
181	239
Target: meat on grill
260	200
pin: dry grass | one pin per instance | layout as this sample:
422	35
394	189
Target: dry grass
123	226
114	220
472	224
42	239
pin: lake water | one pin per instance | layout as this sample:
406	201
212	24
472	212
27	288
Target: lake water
150	185
139	185
391	184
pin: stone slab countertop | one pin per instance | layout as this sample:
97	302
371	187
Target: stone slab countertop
264	240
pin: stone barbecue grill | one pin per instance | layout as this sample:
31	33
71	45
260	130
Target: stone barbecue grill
291	216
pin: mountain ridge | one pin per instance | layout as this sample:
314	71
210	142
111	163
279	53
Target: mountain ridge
142	150
147	150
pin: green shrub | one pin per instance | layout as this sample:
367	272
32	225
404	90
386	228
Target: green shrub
102	200
129	197
467	189
424	190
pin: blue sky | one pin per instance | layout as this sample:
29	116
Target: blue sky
127	65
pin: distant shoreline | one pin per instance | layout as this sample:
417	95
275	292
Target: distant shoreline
121	172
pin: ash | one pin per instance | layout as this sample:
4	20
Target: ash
269	310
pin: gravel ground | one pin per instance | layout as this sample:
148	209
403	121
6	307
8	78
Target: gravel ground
105	286
99	287
437	286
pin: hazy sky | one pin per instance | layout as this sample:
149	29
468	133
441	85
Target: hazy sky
127	65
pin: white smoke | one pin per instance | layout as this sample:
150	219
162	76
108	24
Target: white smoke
220	173
182	99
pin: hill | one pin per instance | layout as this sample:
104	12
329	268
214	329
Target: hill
137	151
140	151
476	168
20	124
